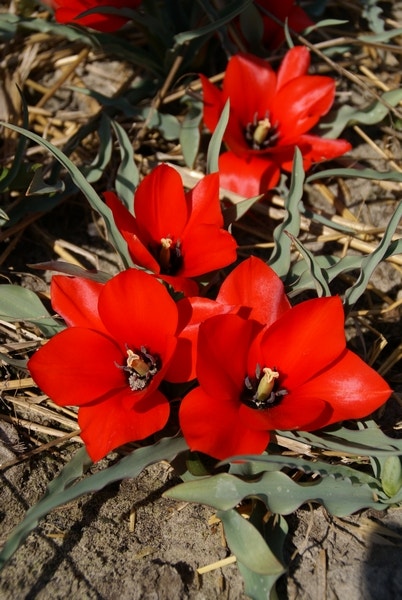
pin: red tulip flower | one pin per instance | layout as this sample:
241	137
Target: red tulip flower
285	11
174	234
296	373
69	12
252	290
111	359
270	115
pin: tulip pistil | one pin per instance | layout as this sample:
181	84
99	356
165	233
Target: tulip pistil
261	133
141	367
169	256
262	391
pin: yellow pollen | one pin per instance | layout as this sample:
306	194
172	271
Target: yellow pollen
136	363
266	384
261	131
164	254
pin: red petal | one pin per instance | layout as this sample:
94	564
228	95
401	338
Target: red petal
213	102
192	312
299	105
299	19
250	83
296	17
291	414
255	285
137	240
212	425
223	343
76	300
180	284
248	176
206	248
78	366
138	311
319	149
98	21
295	63
305	340
107	425
204	204
350	386
160	205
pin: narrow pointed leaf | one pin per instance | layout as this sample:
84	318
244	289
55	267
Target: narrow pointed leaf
248	465
362	173
95	170
190	131
262	587
215	143
367	441
370	262
280	257
248	545
127	177
319	275
347	115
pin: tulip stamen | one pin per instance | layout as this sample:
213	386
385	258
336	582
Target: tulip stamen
141	367
261	133
261	392
169	256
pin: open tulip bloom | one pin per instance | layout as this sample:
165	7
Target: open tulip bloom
111	359
294	372
270	114
174	234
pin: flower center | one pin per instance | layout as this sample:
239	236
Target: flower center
262	391
169	256
261	134
141	367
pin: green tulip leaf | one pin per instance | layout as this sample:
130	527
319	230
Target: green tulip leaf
280	258
250	465
167	124
280	493
368	440
20	304
234	211
39	186
262	587
127	177
215	143
385	36
356	173
94	171
318	275
371	261
335	123
391	475
190	130
248	545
